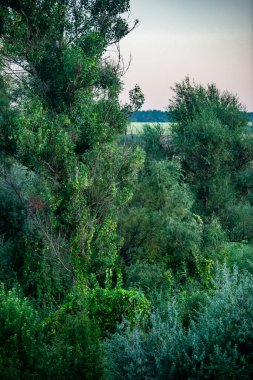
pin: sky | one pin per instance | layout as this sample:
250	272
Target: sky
211	41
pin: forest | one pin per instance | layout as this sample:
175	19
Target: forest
158	116
150	116
119	258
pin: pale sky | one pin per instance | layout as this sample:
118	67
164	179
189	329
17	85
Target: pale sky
209	40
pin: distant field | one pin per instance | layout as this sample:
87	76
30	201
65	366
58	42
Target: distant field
137	128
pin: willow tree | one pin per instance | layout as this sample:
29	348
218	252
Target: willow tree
63	178
211	139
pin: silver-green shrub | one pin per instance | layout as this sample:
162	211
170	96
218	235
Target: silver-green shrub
218	344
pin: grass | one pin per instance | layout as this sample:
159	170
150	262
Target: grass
137	128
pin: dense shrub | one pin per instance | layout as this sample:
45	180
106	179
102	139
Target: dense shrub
21	343
216	345
240	255
105	307
75	350
153	354
159	226
109	306
222	339
149	278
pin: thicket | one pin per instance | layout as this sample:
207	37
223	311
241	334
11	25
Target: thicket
117	258
216	345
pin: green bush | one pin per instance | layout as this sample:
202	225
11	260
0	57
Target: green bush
156	143
105	307
153	354
149	278
75	350
21	343
240	255
190	302
221	341
218	343
109	306
159	226
63	346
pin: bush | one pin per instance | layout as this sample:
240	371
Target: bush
149	278
21	346
63	346
159	226
217	344
221	341
240	255
105	307
75	351
109	306
137	354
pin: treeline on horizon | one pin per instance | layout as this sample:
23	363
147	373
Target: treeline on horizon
158	116
120	258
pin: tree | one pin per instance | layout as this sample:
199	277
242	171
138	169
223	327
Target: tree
66	117
159	227
210	138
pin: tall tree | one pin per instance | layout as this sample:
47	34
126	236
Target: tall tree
67	176
210	137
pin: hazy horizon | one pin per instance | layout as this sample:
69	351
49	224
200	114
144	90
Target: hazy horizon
211	41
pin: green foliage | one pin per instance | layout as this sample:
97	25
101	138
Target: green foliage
112	173
109	306
29	252
159	225
32	348
12	222
214	237
136	98
222	335
190	302
61	43
75	351
217	344
152	279
240	255
67	115
21	348
5	110
239	221
190	100
156	143
137	354
105	307
94	232
215	152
